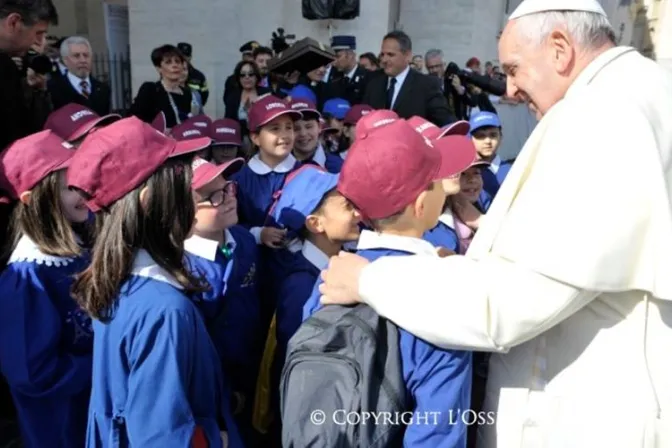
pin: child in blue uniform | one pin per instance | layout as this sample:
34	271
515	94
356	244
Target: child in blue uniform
393	177
307	145
157	379
486	133
322	220
271	123
226	256
45	338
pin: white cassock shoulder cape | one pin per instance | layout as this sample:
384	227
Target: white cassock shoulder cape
570	274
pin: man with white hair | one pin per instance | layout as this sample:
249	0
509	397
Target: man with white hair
78	85
568	278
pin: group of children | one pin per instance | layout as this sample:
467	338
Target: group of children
153	278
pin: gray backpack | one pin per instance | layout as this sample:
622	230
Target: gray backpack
343	367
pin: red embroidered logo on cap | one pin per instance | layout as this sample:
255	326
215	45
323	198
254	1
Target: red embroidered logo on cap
200	124
275	106
191	132
225	131
300	106
424	127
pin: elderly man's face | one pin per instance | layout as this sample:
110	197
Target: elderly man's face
535	73
78	60
436	67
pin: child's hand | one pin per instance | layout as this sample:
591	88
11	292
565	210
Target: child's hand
443	252
466	211
272	237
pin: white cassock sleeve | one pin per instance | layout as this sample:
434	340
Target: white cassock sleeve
459	303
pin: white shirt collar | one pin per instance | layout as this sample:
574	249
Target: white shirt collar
375	240
351	74
320	157
401	77
447	218
259	167
206	248
145	266
75	81
314	255
495	164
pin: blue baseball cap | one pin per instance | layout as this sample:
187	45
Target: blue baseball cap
302	192
336	107
484	119
301	92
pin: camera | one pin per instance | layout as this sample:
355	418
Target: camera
279	40
39	63
490	85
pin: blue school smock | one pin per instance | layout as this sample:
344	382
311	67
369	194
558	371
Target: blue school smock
46	346
494	175
294	290
231	307
443	234
329	161
156	373
437	380
257	185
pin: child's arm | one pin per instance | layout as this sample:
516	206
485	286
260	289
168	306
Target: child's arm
440	383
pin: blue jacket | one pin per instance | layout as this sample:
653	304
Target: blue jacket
327	160
443	234
157	374
46	345
437	380
231	307
492	181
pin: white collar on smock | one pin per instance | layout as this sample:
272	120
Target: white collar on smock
375	240
145	266
206	248
259	167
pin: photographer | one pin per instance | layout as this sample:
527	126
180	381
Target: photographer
23	24
459	98
478	86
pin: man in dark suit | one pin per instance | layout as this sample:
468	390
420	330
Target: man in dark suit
407	92
77	85
351	83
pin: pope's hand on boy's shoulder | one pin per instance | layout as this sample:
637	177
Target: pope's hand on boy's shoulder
341	279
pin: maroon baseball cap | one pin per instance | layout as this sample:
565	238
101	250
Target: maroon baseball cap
357	112
389	166
432	131
159	123
376	119
267	109
226	131
118	158
201	121
205	172
73	121
27	161
188	131
307	109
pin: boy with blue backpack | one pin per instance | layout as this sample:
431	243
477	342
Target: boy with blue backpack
349	359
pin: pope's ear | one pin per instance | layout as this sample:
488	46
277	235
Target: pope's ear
25	197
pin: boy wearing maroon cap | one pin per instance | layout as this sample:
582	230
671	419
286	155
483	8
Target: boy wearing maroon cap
393	177
356	113
307	145
157	378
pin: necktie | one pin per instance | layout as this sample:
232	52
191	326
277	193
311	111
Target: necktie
85	88
390	93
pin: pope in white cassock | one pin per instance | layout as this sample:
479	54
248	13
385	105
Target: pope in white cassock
569	278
